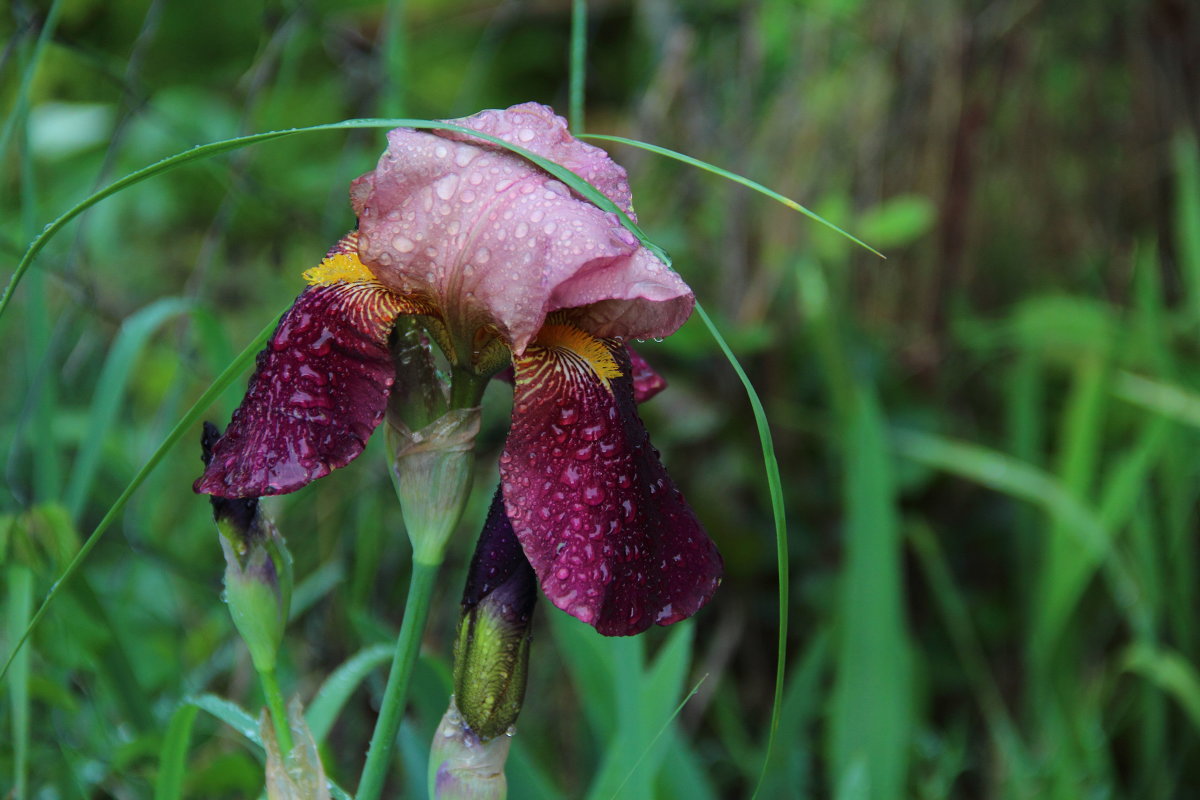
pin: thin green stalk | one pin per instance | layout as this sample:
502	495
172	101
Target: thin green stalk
408	644
20	601
578	64
395	59
775	487
283	731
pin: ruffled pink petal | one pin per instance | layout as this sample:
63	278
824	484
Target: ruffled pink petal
609	535
318	391
496	243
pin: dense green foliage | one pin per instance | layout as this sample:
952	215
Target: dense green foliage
988	441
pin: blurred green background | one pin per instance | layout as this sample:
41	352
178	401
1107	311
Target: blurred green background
988	441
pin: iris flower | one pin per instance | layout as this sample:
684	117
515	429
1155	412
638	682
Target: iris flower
502	264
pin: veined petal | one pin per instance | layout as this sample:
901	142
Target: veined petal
609	535
319	388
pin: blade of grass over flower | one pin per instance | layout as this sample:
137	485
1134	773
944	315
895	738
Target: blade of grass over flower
172	760
110	391
775	487
578	64
185	424
576	183
733	176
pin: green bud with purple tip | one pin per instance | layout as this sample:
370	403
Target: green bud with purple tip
258	570
491	659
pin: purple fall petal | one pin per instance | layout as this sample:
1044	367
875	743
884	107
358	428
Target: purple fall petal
318	390
609	535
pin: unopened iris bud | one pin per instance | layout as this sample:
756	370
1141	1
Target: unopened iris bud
491	653
258	569
432	469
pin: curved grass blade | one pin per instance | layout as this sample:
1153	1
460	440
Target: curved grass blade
110	390
338	687
775	486
172	760
1170	672
198	409
231	714
1026	482
578	184
733	176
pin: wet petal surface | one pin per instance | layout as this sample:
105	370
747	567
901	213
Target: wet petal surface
318	391
608	533
496	243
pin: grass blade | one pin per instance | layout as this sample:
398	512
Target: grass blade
576	183
337	688
578	65
172	760
733	176
110	391
775	487
872	700
231	714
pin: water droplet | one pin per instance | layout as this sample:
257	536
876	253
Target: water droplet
562	573
403	244
568	415
440	151
526	134
446	187
520	230
593	495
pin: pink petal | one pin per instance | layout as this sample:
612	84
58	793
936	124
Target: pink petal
609	535
496	243
319	389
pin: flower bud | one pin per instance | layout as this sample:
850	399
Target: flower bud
432	470
464	767
298	775
491	652
258	569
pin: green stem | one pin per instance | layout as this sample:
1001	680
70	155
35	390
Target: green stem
466	388
578	64
283	730
408	644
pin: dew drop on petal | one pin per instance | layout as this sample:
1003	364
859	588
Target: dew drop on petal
594	495
403	244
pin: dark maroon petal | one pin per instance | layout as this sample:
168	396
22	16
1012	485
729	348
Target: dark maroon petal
646	382
607	532
318	391
499	566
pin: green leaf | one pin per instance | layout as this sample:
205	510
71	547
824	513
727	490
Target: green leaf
872	718
172	760
337	688
110	391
